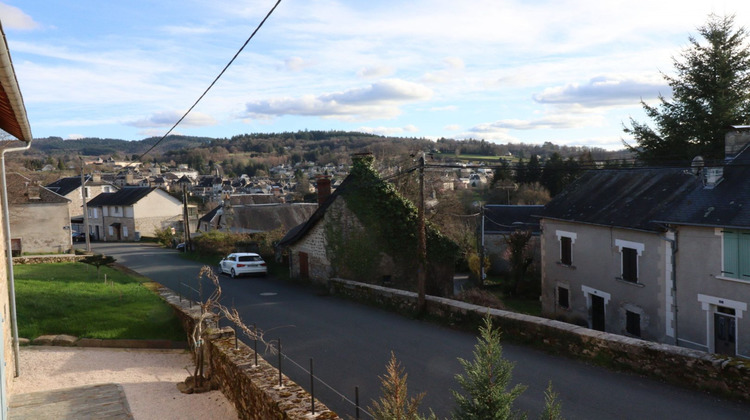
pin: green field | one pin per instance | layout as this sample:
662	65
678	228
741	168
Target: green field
67	298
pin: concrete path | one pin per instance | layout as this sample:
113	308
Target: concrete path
88	402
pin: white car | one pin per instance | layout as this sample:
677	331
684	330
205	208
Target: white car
241	263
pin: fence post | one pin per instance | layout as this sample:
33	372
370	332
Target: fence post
312	387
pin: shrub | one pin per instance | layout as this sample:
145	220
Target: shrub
480	297
164	236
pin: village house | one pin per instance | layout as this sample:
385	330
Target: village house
50	232
70	188
365	231
133	212
656	253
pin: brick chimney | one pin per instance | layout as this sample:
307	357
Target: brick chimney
324	189
96	177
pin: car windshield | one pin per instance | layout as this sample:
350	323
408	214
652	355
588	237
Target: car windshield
246	258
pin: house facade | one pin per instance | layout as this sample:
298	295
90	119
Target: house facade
50	232
70	188
133	212
365	231
660	254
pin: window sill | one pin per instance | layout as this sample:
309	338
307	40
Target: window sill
732	279
572	267
636	284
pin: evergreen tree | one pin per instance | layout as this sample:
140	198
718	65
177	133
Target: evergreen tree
486	381
533	170
554	174
521	173
710	92
395	403
501	173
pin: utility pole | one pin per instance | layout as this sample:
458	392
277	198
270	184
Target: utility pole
85	209
422	245
186	219
481	245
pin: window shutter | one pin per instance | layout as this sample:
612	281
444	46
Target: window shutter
743	256
731	253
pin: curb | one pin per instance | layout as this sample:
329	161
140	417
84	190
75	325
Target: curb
64	340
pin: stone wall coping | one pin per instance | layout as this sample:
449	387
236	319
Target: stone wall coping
680	365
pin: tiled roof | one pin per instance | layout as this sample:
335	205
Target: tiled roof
634	198
19	188
64	186
124	197
725	205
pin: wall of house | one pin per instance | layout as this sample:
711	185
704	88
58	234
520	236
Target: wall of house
43	227
702	291
156	211
314	245
596	270
76	202
6	335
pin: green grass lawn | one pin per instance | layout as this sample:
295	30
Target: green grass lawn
67	298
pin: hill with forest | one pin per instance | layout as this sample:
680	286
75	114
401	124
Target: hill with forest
248	153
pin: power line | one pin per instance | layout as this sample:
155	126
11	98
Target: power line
214	82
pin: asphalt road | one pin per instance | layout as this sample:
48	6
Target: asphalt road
351	344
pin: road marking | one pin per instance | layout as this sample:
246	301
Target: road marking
269	294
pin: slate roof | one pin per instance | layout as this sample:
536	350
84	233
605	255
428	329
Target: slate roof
725	205
18	187
124	197
634	198
506	219
64	186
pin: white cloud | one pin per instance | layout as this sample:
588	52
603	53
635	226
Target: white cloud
375	72
75	136
14	18
604	91
388	131
169	118
378	100
452	127
296	64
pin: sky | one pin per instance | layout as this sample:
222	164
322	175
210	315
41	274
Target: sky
564	71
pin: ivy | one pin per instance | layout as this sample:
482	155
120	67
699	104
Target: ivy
390	220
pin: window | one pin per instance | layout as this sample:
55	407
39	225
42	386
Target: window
567	239
629	252
633	323
563	297
565	251
736	261
124	231
630	265
87	192
93	213
111	231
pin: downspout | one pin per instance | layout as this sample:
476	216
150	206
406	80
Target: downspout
673	257
11	278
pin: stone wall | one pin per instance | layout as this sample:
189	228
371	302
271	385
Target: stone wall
43	259
685	367
254	390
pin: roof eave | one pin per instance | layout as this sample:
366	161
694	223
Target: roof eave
12	109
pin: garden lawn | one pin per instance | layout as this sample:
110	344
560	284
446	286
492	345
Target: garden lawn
68	298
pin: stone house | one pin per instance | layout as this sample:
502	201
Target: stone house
50	231
661	254
365	231
70	188
133	212
13	121
254	213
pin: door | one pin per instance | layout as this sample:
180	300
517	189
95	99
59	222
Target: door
304	270
597	313
724	334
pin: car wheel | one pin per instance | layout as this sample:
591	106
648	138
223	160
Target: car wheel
234	275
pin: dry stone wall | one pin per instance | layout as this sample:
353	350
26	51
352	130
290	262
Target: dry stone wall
253	389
